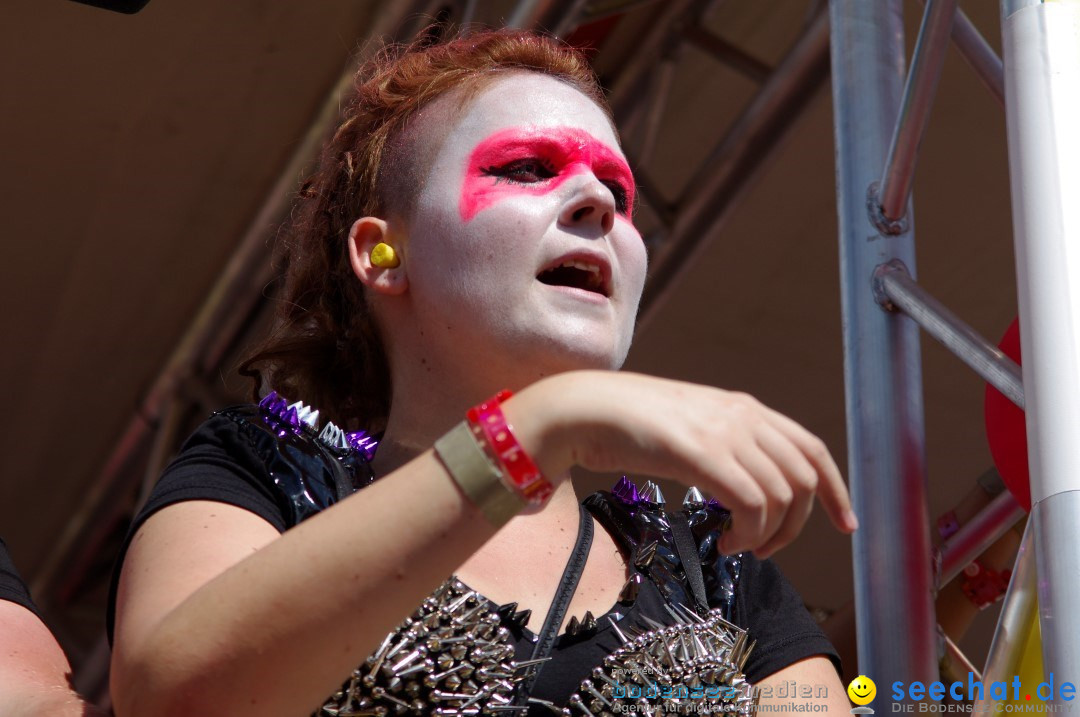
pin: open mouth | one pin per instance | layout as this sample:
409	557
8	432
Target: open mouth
575	274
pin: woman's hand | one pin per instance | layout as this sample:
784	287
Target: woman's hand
764	467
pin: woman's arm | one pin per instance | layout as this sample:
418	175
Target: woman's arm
812	681
218	614
34	674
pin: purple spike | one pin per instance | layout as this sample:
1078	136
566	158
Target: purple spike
714	504
626	491
363	444
291	418
269	400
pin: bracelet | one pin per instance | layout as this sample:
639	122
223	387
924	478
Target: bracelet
491	429
478	477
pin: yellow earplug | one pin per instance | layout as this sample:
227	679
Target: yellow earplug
384	256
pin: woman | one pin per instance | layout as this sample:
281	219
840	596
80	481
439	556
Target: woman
469	230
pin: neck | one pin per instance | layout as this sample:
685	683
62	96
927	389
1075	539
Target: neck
428	400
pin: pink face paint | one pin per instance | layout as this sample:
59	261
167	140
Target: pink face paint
560	152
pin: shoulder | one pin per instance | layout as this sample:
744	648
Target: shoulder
774	614
275	453
12	587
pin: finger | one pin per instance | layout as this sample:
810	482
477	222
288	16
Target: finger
775	491
737	490
800	475
831	489
794	521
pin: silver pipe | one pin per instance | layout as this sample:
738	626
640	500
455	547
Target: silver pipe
732	56
959	661
1057	564
1042	112
977	52
922	80
895	289
1017	615
716	186
896	627
663	76
978	534
627	87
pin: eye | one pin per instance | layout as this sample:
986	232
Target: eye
528	170
622	197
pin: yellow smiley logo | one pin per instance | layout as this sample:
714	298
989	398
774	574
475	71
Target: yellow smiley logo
862	690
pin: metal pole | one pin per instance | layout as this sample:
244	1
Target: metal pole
979	55
958	662
895	289
734	57
1042	103
726	171
894	610
1017	611
978	534
977	52
899	173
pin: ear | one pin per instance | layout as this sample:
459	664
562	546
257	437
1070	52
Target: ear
365	233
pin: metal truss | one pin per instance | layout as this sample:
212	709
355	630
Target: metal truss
878	130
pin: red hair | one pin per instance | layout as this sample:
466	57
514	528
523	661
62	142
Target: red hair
326	349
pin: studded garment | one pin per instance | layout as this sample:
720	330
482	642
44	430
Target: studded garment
455	654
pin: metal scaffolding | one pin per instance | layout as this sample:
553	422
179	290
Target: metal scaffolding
1041	94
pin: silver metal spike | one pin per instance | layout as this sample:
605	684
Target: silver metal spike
312	419
530	663
652	623
694	500
618	632
651	494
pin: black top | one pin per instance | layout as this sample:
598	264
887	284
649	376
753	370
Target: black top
12	588
223	461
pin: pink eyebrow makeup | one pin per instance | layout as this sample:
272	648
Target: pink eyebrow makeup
563	152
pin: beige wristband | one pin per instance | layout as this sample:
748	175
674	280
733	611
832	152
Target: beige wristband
477	476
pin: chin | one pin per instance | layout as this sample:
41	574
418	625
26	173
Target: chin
580	355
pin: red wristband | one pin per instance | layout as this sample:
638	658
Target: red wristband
491	429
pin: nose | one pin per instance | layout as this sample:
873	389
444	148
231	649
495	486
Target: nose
591	207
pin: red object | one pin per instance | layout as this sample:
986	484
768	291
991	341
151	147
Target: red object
984	586
489	424
1006	429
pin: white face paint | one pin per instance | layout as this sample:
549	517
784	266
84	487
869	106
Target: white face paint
530	174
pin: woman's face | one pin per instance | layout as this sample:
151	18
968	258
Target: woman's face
520	240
